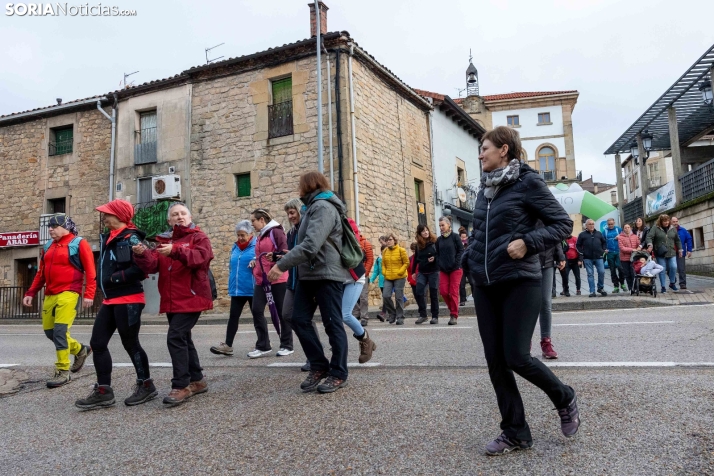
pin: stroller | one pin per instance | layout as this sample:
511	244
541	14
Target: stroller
642	283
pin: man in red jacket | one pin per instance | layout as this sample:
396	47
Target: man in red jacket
182	261
65	262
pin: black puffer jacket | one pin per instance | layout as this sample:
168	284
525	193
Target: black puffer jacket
591	245
552	255
511	215
117	273
421	259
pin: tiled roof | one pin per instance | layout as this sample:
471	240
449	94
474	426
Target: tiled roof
498	97
39	109
429	94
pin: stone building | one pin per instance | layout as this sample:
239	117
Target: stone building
234	136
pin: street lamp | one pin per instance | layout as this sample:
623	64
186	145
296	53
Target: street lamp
635	151
647	142
706	89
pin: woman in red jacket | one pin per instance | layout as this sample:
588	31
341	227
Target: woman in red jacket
182	260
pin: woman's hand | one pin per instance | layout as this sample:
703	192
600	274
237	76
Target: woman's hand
561	265
138	249
431	259
517	249
251	265
414	277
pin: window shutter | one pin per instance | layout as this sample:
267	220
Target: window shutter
243	185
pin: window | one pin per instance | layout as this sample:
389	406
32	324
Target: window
460	176
145	139
61	140
698	238
143	190
57	205
543	118
418	190
613	197
280	112
513	121
243	185
637	181
546	159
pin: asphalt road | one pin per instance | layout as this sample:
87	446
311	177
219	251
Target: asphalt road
644	379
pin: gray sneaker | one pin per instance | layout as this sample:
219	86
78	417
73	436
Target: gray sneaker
222	349
570	418
60	377
504	444
80	358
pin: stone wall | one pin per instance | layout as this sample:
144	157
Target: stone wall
700	215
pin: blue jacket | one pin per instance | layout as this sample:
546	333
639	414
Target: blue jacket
611	238
686	239
377	272
240	278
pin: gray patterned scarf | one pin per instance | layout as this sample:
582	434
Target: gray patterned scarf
493	180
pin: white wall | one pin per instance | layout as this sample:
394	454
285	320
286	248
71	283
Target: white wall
528	119
449	143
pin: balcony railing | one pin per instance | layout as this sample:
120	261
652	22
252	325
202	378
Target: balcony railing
698	182
280	119
579	176
548	175
145	148
61	147
655	182
150	217
44	229
632	210
11	304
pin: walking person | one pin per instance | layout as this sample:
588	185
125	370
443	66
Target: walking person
686	252
572	263
120	280
550	258
426	269
240	283
321	277
613	256
271	239
182	260
449	250
65	263
361	310
640	229
378	276
411	277
592	247
628	242
394	268
506	270
663	240
465	276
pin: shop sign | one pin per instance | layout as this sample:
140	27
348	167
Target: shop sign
20	238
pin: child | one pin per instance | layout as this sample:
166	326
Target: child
650	269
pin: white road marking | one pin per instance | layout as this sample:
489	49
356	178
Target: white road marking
615	323
128	364
629	364
429	328
4	366
300	364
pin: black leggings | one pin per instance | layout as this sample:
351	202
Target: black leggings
507	314
237	304
261	324
126	318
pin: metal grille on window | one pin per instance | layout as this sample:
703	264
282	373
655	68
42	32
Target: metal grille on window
63	142
546	162
145	140
280	113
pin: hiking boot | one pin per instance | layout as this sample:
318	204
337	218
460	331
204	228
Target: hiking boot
664	290
199	386
331	384
255	354
381	316
462	303
80	358
504	444
100	396
577	293
567	293
623	287
683	286
283	352
363	322
570	418
593	295
306	367
400	322
421	320
177	396
366	347
452	320
562	293
673	287
60	377
547	347
434	320
222	349
144	390
392	320
616	290
312	380
602	292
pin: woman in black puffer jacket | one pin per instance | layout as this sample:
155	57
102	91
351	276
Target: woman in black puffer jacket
504	263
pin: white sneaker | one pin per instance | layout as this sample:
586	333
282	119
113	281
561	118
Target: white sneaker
648	274
258	353
283	352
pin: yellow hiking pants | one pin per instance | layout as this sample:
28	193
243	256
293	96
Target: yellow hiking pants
58	313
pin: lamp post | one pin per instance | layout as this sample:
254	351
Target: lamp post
706	89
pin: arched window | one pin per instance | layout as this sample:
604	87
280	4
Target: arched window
546	159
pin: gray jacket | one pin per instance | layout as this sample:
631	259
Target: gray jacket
317	254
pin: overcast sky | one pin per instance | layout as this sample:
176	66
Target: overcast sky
620	55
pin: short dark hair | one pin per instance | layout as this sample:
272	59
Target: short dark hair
311	181
503	135
413	246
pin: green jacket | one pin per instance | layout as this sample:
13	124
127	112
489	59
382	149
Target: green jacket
657	237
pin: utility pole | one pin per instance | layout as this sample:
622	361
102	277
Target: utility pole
320	164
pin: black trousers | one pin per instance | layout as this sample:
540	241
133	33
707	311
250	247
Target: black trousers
466	276
237	305
126	318
570	265
432	281
184	357
629	271
327	295
507	314
261	324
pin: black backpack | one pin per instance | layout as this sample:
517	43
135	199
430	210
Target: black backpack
212	282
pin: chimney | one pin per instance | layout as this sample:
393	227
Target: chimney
323	19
